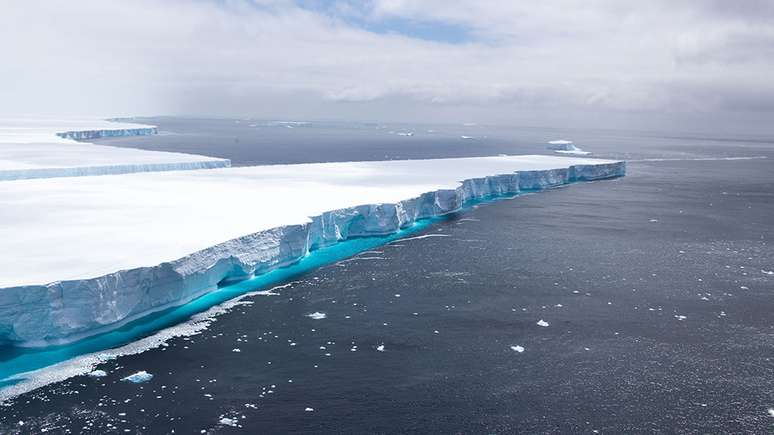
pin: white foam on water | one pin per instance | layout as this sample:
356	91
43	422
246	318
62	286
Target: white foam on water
424	236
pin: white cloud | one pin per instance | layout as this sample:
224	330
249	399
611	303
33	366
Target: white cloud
253	57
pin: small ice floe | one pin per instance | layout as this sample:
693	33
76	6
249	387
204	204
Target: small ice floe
397	295
467	137
405	133
317	315
98	374
233	422
236	349
653	220
542	323
771	412
679	317
380	348
518	349
139	377
565	147
436	332
768	272
307	409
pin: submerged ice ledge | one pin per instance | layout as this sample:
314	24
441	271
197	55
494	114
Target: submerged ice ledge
68	310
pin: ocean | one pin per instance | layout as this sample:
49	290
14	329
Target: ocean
636	305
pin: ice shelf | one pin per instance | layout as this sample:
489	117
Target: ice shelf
81	255
48	149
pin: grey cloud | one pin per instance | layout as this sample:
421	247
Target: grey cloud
271	57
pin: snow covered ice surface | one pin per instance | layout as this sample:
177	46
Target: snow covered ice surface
118	247
47	148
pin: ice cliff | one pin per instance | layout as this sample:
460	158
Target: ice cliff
108	132
67	310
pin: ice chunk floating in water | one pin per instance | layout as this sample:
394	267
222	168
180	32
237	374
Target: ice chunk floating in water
139	377
566	147
317	315
145	261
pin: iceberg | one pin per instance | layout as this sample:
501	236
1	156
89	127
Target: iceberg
84	255
51	148
138	378
566	147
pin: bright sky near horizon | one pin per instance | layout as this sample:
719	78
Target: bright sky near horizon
694	63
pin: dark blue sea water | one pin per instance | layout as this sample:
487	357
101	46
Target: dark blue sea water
655	289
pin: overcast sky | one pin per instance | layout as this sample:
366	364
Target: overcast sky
690	63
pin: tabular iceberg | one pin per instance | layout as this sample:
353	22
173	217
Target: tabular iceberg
68	285
566	147
48	148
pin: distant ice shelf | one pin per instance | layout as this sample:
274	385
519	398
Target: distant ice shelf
50	149
83	255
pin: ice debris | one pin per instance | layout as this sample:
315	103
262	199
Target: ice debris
229	421
565	147
139	377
